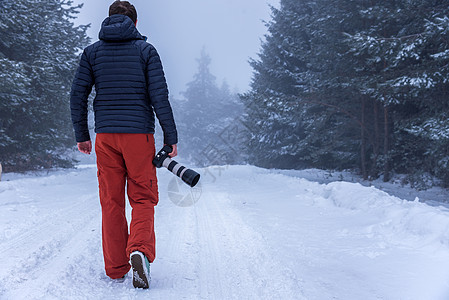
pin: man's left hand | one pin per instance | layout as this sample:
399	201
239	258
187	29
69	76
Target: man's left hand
85	147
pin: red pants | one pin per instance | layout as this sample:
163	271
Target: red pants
126	158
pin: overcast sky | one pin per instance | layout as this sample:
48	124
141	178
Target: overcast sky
230	30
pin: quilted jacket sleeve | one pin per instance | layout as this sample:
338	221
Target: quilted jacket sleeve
158	92
81	88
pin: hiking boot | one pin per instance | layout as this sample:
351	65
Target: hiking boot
141	270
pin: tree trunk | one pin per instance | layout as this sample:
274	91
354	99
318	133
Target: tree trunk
386	147
376	144
363	144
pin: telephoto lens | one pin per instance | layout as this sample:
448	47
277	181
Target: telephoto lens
162	159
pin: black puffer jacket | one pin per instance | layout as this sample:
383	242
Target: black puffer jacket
129	83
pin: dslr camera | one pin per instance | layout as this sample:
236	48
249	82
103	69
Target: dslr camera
162	159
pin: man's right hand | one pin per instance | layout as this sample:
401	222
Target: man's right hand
174	152
85	147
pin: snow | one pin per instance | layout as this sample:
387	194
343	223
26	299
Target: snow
441	55
249	233
424	81
434	128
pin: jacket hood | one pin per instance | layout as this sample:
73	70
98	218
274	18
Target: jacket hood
119	28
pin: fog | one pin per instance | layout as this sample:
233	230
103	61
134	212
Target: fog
231	32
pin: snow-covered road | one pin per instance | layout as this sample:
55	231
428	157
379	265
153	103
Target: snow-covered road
252	234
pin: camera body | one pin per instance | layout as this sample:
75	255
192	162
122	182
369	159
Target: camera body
162	159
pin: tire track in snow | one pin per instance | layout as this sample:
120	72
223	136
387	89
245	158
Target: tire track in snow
45	227
40	252
174	266
210	261
52	278
235	260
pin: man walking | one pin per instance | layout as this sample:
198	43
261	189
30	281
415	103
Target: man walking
130	87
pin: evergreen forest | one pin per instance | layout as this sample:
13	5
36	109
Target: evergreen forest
359	85
39	54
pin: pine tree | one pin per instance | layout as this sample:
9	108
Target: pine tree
39	52
404	52
285	105
204	115
352	84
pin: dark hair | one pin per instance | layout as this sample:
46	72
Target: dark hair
123	8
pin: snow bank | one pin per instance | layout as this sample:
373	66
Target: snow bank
414	221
